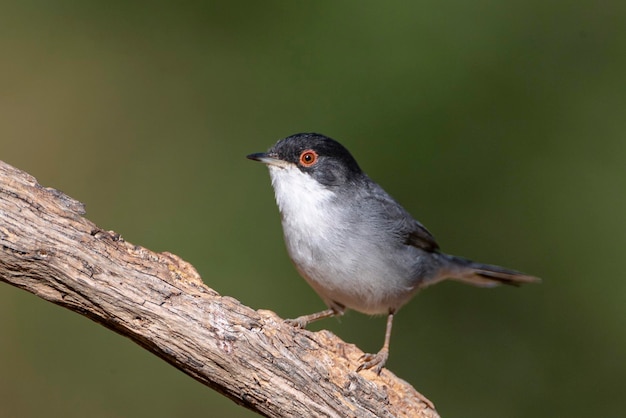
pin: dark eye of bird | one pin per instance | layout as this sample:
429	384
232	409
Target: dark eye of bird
308	158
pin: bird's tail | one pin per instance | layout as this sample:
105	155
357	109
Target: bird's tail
485	275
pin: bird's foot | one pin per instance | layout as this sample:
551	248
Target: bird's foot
304	320
300	322
374	361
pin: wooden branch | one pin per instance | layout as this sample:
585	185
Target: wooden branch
160	302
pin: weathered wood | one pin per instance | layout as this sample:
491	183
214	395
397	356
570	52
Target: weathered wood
160	302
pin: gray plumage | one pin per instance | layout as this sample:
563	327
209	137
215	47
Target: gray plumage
353	243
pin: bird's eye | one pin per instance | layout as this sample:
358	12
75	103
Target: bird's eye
308	158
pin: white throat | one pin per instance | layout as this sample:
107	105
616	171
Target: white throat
298	195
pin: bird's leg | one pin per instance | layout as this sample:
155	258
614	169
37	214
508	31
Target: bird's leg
304	320
377	361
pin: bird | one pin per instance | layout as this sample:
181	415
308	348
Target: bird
352	242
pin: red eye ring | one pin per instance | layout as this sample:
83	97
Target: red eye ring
308	158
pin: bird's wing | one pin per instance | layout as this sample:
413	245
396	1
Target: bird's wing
420	237
401	222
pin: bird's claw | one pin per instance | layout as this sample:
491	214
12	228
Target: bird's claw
374	361
297	322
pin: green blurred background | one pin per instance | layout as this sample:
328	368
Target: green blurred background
500	125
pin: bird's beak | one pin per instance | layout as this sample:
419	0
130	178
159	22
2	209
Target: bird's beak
268	159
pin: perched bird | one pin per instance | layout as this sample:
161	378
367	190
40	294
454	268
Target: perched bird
352	242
